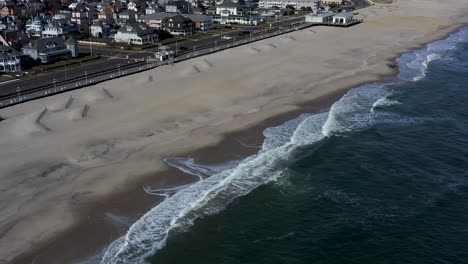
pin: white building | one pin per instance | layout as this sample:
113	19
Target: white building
62	15
297	4
232	13
320	17
136	33
9	59
34	27
57	28
343	18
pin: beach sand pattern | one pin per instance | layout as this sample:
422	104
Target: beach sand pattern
101	140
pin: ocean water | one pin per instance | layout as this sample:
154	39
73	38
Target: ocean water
382	177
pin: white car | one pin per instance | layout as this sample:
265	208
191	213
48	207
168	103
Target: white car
226	37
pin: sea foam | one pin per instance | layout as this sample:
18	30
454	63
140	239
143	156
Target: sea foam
217	188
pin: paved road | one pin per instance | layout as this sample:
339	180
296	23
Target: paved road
121	59
61	75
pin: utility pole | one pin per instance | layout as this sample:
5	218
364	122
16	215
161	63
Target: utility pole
86	76
18	90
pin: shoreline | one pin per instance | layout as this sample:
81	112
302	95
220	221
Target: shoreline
204	156
252	129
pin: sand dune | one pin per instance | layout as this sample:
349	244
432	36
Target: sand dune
61	151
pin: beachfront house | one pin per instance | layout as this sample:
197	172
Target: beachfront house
232	13
200	22
9	60
48	50
178	25
136	33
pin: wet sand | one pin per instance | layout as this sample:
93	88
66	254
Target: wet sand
64	186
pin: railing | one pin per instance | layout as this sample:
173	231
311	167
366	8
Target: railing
92	79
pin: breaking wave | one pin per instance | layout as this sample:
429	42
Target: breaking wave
218	186
413	65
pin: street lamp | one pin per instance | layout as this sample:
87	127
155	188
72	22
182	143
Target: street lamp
86	77
66	61
18	90
55	85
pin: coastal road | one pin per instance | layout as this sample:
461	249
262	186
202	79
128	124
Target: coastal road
121	59
61	75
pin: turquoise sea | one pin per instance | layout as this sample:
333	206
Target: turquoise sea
382	177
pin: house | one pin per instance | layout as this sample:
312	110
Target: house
343	18
106	14
48	50
233	13
62	15
297	4
155	20
153	8
9	23
100	29
136	33
200	22
9	59
59	28
178	25
83	15
320	17
179	6
130	16
16	39
35	26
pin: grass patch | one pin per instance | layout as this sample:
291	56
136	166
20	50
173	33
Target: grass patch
70	62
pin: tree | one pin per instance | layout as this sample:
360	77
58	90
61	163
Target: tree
290	7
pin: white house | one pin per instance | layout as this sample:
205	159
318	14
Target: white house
136	33
62	15
34	27
232	13
99	29
58	28
9	59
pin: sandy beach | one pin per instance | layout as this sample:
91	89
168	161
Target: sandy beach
61	169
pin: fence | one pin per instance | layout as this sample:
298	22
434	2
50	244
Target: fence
25	96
